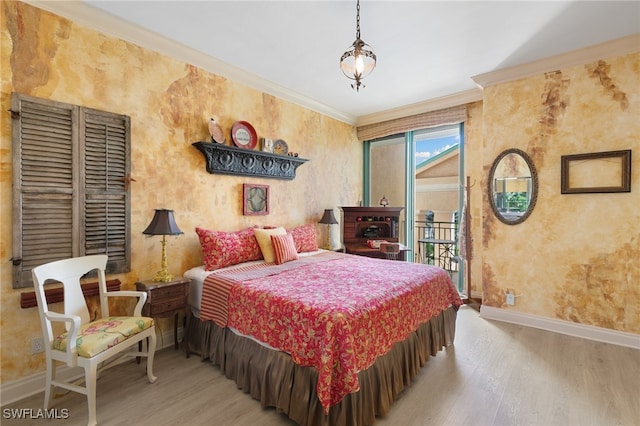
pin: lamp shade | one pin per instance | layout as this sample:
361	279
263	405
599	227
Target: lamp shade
163	223
328	218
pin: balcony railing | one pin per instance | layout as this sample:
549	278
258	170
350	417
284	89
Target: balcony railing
437	244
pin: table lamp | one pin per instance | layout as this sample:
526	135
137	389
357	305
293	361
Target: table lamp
163	224
328	219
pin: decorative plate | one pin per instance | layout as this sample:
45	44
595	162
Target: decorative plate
280	147
217	135
244	135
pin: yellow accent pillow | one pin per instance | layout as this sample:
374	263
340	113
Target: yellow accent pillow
264	241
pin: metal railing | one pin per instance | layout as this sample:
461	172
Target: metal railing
437	244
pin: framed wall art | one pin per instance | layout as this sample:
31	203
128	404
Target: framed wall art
596	172
255	199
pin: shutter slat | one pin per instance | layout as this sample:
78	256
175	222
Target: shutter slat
47	180
106	205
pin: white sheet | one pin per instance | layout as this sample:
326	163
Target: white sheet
198	274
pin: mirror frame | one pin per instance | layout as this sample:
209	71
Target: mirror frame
534	186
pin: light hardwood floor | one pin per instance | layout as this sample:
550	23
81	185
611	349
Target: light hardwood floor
495	374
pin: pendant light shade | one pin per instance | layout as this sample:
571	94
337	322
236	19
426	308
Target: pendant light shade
359	60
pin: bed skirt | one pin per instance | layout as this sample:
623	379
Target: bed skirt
276	381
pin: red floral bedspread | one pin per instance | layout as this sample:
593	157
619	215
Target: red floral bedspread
340	314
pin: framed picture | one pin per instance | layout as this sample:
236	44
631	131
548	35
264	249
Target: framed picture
255	199
267	145
596	172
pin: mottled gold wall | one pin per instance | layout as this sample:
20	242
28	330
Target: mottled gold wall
576	258
170	104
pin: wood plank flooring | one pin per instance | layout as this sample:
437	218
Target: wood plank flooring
495	374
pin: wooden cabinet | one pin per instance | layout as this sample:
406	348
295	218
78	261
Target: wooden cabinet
360	224
167	299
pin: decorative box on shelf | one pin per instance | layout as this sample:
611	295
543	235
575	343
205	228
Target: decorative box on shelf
230	160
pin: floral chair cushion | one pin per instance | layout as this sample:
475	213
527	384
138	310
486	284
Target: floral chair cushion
102	334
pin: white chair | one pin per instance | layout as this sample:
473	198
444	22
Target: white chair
88	344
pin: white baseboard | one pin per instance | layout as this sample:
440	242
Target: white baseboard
31	385
590	332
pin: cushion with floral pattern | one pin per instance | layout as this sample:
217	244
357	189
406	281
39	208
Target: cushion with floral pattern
305	237
102	334
222	249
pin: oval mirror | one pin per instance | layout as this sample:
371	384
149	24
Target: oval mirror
513	186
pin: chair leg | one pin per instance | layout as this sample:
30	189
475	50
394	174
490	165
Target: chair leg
151	350
50	377
91	374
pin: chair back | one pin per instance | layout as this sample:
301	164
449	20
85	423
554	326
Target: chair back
68	272
390	250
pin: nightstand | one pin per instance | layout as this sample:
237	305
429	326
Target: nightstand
166	299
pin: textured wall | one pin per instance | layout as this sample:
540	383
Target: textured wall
170	104
576	258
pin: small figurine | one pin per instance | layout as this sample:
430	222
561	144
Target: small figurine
217	135
383	201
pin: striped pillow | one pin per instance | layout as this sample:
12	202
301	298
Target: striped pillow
284	248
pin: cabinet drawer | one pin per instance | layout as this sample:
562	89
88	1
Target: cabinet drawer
171	292
160	307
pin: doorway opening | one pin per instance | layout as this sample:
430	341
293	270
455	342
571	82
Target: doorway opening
422	171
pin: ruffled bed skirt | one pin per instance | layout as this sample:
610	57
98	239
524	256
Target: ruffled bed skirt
276	381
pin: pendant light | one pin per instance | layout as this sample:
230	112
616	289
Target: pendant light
359	60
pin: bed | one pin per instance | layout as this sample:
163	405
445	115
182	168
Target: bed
326	338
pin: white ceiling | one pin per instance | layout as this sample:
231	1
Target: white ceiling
425	49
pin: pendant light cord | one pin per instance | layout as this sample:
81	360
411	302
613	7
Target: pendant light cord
358	20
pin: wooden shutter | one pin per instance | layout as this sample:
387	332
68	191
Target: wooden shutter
43	183
106	197
71	166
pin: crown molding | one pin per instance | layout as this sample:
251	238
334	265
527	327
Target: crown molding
90	17
83	14
456	99
617	47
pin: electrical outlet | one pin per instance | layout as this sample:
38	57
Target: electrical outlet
37	345
511	298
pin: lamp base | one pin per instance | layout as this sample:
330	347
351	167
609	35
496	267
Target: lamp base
163	277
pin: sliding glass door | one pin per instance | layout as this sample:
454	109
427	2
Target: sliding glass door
386	177
421	171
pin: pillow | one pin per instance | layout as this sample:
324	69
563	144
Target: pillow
222	249
284	248
305	237
264	241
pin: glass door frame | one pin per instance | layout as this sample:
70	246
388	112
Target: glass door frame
407	231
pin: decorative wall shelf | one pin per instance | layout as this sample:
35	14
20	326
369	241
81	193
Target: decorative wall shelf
229	160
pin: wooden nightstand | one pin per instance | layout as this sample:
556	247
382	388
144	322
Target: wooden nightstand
166	299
